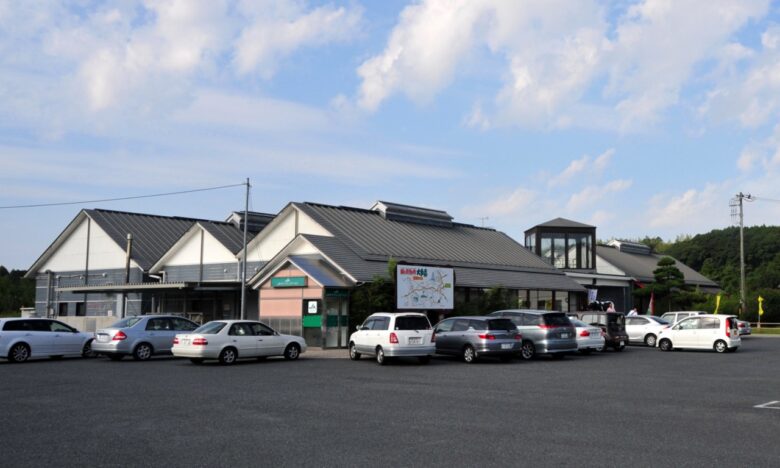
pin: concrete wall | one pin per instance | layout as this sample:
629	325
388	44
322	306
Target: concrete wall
88	324
96	304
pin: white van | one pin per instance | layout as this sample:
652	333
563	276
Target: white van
706	331
393	334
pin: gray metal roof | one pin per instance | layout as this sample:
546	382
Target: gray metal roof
320	270
564	223
641	266
370	236
228	234
152	235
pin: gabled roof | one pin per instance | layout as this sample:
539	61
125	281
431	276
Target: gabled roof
641	266
564	223
153	235
372	237
228	234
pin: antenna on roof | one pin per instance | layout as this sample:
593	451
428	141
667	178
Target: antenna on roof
483	219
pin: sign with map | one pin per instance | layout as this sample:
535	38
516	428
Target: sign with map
424	287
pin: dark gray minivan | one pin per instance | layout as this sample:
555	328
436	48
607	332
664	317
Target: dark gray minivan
476	337
544	332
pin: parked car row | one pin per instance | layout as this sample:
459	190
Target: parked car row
503	334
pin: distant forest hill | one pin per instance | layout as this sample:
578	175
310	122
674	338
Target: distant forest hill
15	292
716	256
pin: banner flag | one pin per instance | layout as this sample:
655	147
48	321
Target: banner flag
651	306
717	303
760	306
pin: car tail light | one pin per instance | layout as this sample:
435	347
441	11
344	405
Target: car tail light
487	336
433	337
393	338
175	340
585	333
728	329
518	337
603	333
120	335
200	342
547	327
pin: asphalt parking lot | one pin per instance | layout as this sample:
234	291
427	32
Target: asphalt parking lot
641	407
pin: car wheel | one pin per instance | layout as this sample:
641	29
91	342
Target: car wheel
196	360
721	346
292	351
469	355
227	356
353	354
380	356
86	351
650	340
142	352
424	359
665	345
116	357
19	352
528	351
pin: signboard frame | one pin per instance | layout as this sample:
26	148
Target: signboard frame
442	296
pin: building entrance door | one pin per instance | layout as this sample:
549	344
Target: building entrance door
337	323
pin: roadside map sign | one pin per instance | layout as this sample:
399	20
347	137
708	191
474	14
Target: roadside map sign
424	287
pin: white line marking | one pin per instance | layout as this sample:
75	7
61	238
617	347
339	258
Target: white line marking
770	405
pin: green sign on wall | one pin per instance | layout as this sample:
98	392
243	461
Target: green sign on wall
337	293
289	282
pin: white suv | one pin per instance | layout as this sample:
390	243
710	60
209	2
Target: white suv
718	332
393	334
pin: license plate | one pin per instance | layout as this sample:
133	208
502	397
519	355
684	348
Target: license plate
102	338
185	342
564	335
506	345
415	340
622	343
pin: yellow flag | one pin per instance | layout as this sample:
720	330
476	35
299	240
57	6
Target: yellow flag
760	306
717	303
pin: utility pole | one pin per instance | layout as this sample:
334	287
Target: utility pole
243	256
737	210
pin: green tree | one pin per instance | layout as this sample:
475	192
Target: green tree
16	291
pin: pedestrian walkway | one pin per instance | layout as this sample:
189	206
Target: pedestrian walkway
325	353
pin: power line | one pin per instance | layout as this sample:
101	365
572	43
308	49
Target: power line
40	205
766	199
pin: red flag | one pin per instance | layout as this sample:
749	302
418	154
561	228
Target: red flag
651	306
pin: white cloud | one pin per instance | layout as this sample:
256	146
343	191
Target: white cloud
506	204
559	56
594	194
275	33
585	166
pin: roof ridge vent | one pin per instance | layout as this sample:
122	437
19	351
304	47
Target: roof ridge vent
630	247
412	214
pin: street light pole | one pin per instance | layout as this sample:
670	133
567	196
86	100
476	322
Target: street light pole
243	256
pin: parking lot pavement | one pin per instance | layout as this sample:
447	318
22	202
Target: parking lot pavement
641	407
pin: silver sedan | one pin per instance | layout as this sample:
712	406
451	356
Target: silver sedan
140	336
589	337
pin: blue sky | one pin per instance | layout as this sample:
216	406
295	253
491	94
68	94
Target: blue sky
641	117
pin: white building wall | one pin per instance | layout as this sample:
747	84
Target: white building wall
104	253
306	225
188	252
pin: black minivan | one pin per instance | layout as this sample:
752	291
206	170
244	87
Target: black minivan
613	324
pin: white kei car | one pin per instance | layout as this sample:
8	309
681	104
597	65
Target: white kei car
645	329
229	340
707	331
24	338
394	334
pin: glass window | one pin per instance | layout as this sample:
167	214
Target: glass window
530	242
260	329
444	325
158	324
478	325
368	324
381	323
688	324
14	325
559	251
59	327
547	252
577	323
501	324
460	325
126	322
39	325
240	329
660	320
412	322
210	328
709	323
544	300
571	253
532	319
183	324
557	320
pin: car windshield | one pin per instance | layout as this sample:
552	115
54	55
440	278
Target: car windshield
616	322
126	322
557	320
412	322
211	328
658	320
501	324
